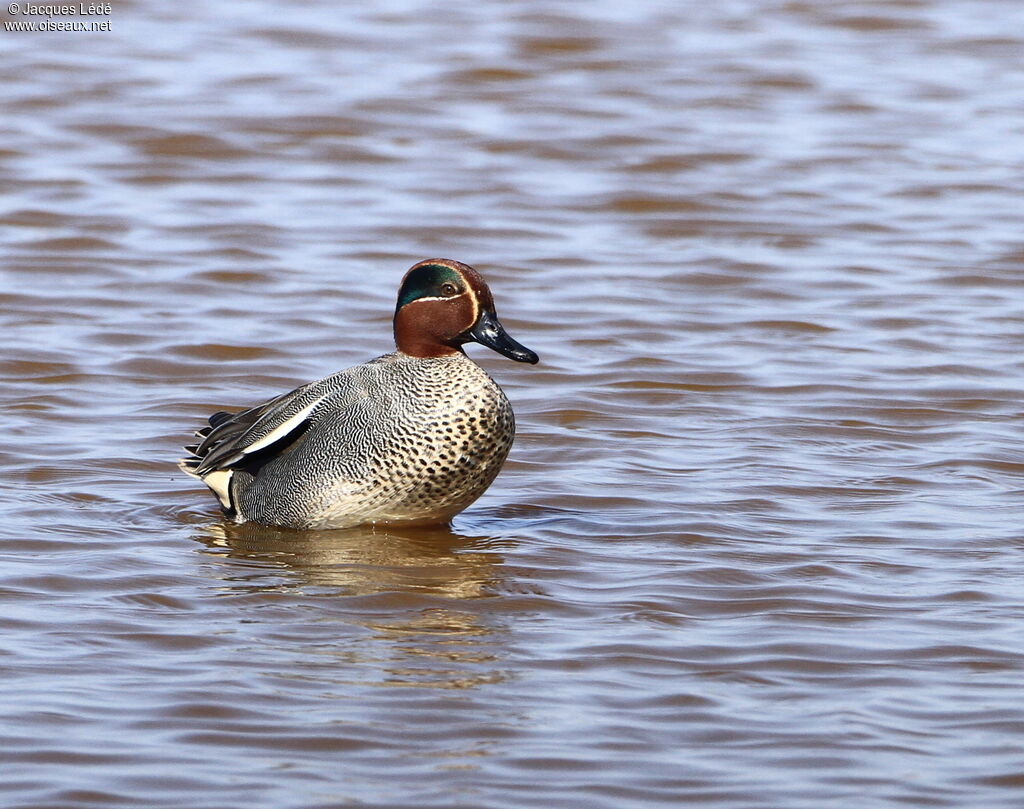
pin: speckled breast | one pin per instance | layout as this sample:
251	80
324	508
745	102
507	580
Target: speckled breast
452	430
428	439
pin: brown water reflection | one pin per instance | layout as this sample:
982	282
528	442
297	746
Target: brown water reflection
432	645
362	561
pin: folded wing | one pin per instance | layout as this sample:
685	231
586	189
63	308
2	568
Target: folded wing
233	439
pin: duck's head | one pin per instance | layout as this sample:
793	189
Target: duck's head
444	304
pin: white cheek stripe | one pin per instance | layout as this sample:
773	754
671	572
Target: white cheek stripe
462	294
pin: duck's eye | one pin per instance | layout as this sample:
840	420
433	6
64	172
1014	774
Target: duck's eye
449	289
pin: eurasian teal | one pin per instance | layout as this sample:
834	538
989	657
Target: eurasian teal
414	436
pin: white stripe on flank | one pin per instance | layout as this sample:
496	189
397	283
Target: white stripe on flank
280	432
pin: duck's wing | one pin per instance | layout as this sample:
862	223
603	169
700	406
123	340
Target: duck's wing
233	437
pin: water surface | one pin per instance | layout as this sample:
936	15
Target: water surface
758	543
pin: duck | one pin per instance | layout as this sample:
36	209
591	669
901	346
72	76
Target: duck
412	437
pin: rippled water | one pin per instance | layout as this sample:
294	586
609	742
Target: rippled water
759	540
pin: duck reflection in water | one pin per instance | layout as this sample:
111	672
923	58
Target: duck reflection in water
419	593
366	560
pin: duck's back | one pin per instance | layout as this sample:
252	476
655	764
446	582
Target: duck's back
401	439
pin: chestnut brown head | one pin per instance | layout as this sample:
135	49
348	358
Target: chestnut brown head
444	304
